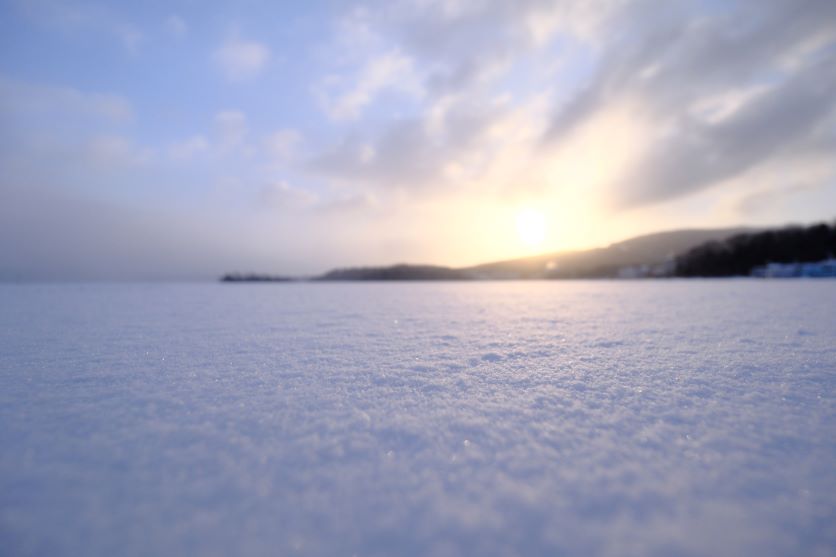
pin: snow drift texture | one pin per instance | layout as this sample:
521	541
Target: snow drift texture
602	418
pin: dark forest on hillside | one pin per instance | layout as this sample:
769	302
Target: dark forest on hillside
738	255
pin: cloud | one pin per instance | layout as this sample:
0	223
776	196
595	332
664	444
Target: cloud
114	151
64	138
29	101
240	59
705	153
458	62
231	128
465	43
726	93
391	70
130	36
762	201
352	203
282	144
176	26
282	195
614	117
415	152
189	148
712	92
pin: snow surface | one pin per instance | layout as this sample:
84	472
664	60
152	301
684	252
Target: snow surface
521	418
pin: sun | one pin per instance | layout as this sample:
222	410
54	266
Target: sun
531	227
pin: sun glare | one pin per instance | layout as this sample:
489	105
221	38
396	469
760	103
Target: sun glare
531	227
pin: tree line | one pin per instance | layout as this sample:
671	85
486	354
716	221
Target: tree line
738	255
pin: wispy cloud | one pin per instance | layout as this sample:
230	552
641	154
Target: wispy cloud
176	26
282	145
684	66
345	97
283	196
231	129
130	36
22	99
116	151
188	148
709	98
240	59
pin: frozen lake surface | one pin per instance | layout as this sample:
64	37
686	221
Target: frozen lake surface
560	418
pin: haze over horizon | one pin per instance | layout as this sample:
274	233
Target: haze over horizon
177	139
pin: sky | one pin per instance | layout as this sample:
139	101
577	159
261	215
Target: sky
185	139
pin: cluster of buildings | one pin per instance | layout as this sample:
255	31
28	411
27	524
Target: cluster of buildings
826	268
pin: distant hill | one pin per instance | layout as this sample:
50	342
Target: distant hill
254	277
740	254
397	272
649	255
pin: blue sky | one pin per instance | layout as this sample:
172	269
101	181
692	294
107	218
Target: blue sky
186	139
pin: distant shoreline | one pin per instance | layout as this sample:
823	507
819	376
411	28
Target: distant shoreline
790	252
488	280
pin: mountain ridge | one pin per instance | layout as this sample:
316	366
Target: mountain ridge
648	249
645	255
